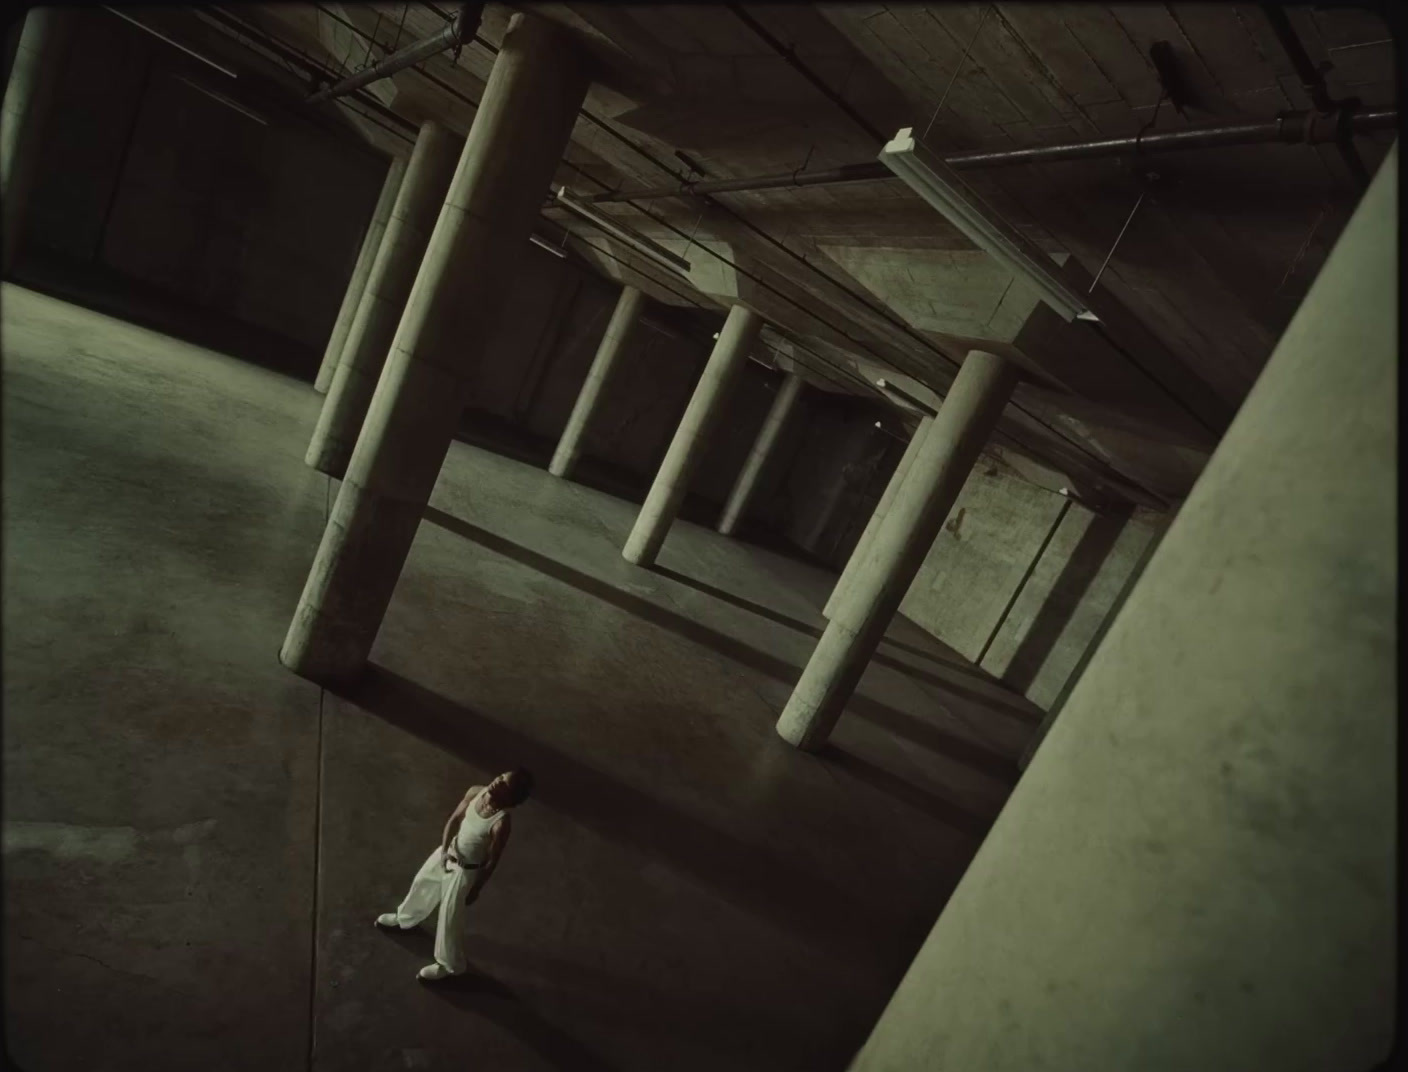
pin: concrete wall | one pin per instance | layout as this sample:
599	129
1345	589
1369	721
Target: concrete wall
1199	869
1070	593
148	181
1021	579
526	386
984	551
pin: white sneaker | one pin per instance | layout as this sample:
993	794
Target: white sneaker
388	921
433	972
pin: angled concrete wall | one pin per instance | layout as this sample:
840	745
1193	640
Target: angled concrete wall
1198	869
1070	593
981	557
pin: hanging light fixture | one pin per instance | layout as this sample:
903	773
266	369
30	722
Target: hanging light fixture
938	184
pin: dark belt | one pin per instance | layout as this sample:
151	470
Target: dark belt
461	864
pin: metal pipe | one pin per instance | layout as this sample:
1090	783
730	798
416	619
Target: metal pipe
457	32
1309	127
174	44
248	36
1312	80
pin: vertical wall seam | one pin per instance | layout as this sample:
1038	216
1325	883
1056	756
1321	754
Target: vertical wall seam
1022	584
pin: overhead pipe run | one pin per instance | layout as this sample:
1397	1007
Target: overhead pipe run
458	32
1309	127
173	43
1312	80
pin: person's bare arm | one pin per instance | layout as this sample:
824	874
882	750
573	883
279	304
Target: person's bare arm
452	824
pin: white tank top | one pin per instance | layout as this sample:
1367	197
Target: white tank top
472	840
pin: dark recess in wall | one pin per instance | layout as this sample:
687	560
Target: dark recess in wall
168	208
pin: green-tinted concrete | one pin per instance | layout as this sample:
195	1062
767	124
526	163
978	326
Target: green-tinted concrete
1198	870
29	94
980	557
686	892
160	767
1072	588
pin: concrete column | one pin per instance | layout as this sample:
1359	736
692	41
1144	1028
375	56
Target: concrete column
29	94
393	273
887	497
771	431
1198	869
736	338
371	242
613	345
936	475
520	131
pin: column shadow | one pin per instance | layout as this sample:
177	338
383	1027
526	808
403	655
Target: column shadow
480	993
1015	706
1089	554
869	932
946	811
799	625
935	738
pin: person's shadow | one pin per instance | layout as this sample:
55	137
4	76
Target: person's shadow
480	993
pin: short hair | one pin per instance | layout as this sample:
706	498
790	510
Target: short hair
518	787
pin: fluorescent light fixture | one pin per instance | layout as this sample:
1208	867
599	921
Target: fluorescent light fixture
904	399
947	193
638	242
554	250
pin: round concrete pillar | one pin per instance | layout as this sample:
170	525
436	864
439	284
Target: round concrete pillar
941	464
771	432
383	301
520	131
29	93
613	344
357	285
653	522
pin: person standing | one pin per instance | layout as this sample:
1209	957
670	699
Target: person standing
454	874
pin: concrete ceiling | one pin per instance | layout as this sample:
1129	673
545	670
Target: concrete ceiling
864	278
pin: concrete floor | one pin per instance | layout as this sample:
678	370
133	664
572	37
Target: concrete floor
196	841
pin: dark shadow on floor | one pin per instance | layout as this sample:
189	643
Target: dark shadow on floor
479	993
946	811
684	1011
1016	705
977	756
1076	575
787	895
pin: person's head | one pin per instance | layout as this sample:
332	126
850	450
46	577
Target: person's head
511	788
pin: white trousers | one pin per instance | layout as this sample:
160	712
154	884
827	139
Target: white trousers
435	887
